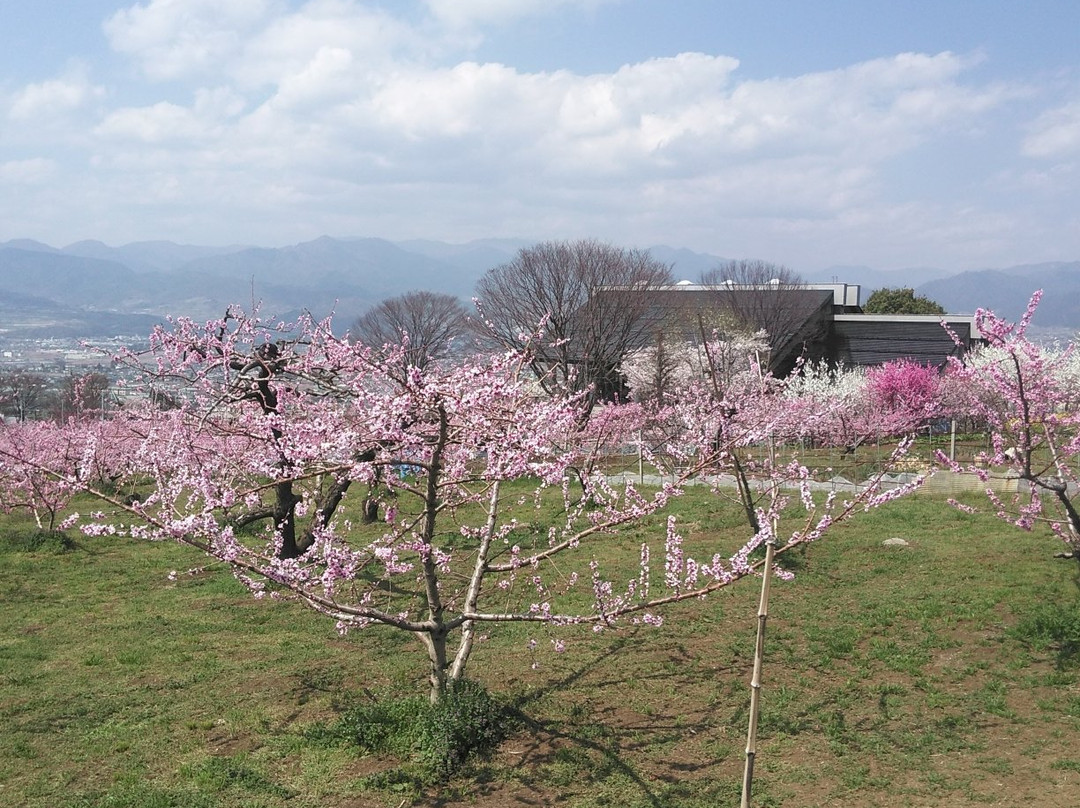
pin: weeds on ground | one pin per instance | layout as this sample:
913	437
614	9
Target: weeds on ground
434	740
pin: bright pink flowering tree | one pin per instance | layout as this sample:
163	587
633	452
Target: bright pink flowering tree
904	387
277	430
848	406
1016	389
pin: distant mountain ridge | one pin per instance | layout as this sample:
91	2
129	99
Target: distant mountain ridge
1007	292
91	289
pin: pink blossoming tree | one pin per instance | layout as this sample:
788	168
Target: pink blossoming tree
276	430
1019	390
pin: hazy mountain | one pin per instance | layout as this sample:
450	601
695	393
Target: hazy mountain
870	279
686	265
322	276
28	244
475	257
147	256
370	267
27	316
689	265
66	279
1007	291
85	284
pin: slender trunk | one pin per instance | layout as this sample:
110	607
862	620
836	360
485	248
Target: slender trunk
468	629
370	508
755	682
324	511
434	643
746	494
369	511
435	639
285	499
1062	494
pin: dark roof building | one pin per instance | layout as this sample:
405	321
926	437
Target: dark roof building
873	339
810	321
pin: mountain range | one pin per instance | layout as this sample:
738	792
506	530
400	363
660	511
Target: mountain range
89	289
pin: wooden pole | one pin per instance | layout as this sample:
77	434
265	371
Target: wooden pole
755	681
640	461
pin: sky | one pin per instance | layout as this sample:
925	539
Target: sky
884	133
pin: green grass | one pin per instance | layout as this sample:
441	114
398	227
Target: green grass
945	672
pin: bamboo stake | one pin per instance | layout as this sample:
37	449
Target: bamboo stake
755	681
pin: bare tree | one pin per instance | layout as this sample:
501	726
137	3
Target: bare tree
425	324
82	397
21	394
592	299
771	298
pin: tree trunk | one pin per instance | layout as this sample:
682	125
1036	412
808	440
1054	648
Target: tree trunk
746	494
370	510
468	629
435	639
285	519
434	643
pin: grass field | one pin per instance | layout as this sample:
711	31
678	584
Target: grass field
946	672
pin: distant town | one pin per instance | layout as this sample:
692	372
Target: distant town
49	378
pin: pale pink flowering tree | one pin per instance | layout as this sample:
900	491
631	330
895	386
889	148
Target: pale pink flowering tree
31	452
657	372
278	429
1018	390
42	466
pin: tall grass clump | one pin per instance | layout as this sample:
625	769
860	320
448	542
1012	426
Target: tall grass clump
436	739
35	541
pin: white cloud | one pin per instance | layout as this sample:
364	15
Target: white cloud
468	98
289	44
1055	133
154	124
33	171
667	134
176	38
352	78
256	42
309	116
471	13
328	76
678	116
53	98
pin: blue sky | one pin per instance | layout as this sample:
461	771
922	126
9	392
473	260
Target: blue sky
814	134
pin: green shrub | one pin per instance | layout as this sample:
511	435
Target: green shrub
466	721
438	738
219	774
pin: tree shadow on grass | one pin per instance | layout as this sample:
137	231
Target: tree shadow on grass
588	748
1053	626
